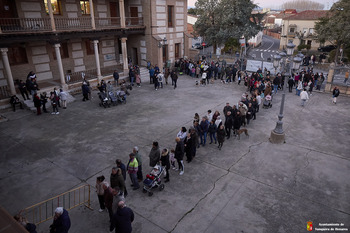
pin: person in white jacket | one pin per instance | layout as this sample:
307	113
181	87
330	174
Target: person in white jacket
299	87
304	96
63	96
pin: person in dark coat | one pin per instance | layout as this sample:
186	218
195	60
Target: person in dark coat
23	89
212	131
108	198
290	84
198	132
204	126
335	93
61	222
179	154
174	78
154	154
122	219
37	104
43	98
122	167
221	136
195	138
276	83
164	159
85	89
189	143
250	113
116	77
237	122
33	86
14	101
228	124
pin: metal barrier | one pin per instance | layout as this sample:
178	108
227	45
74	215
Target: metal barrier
45	210
78	76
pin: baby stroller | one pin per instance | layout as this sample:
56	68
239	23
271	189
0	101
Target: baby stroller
104	100
121	96
267	101
113	97
153	180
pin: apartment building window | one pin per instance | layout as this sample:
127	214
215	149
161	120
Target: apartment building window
63	50
170	16
17	55
85	7
89	47
177	50
311	31
56	7
291	30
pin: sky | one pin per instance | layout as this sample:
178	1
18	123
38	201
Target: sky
275	4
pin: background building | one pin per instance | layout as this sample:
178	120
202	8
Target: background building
300	28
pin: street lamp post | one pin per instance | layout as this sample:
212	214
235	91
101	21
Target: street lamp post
161	45
277	134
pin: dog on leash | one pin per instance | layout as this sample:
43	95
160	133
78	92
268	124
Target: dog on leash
197	83
240	131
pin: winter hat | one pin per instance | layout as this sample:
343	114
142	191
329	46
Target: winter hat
59	210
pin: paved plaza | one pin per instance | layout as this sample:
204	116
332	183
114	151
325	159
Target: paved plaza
249	186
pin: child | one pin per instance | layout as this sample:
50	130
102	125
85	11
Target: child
154	173
138	80
172	158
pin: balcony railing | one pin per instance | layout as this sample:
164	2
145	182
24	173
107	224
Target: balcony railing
291	34
73	23
133	21
32	25
110	22
25	24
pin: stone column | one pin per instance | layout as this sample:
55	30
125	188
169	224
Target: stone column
92	14
160	57
5	61
52	20
97	60
125	55
330	77
122	13
60	66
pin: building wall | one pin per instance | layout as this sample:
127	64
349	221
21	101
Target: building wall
159	27
301	24
40	54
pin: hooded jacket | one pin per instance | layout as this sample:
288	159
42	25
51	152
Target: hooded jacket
154	156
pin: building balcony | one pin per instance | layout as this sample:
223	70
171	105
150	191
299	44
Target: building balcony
40	25
291	34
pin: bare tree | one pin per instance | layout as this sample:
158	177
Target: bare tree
302	5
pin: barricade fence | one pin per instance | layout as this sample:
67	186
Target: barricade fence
45	210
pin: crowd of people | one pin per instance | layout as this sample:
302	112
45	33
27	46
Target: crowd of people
57	98
215	126
208	127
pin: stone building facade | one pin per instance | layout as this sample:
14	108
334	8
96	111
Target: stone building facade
299	28
63	39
